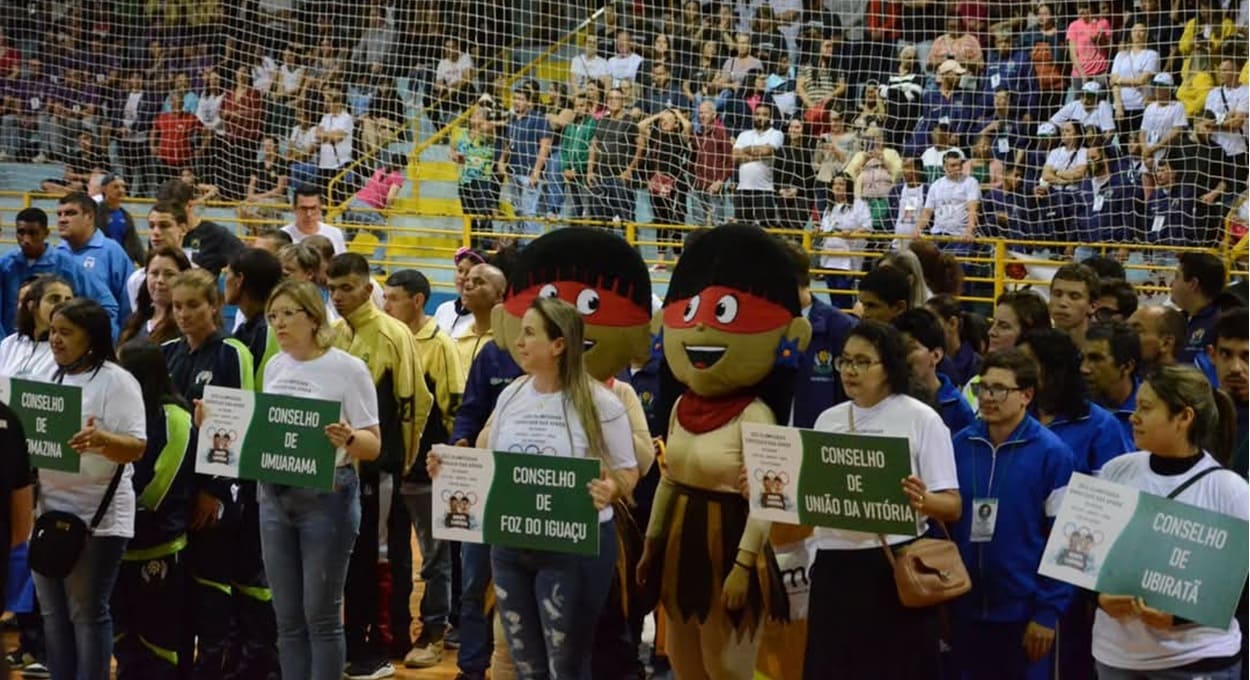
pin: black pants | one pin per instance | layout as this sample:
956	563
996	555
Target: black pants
137	165
399	552
856	625
755	206
148	617
368	583
255	640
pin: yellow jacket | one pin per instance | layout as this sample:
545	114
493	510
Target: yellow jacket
441	363
388	348
1218	35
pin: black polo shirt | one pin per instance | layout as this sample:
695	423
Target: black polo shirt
15	473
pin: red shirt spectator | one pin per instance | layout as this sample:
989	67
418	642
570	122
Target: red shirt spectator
882	18
713	154
172	136
377	191
10	58
241	112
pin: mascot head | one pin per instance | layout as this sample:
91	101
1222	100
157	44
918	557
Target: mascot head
731	322
599	274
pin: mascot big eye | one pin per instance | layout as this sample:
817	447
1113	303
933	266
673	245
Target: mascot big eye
731	332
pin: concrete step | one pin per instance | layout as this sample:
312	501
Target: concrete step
436	171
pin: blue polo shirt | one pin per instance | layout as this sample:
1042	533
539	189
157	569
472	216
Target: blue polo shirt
16	268
525	136
103	258
818	386
1124	412
1201	332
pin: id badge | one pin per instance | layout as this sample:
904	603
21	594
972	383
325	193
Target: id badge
1158	223
1099	199
984	518
995	79
1004	145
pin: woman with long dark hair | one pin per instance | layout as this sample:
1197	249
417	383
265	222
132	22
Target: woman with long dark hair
865	631
76	617
965	338
666	137
26	353
152	318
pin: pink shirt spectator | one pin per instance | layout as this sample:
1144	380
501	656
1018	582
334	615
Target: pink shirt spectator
379	186
1092	58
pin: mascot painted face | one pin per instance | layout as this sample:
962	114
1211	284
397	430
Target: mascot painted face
731	333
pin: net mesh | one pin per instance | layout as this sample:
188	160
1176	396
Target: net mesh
1117	123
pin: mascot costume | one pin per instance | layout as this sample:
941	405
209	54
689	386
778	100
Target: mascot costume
607	281
731	332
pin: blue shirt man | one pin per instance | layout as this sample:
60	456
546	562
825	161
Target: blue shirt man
99	256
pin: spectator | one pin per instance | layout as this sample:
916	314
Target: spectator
29	122
575	140
835	148
1009	212
1048	53
946	103
266	184
307	207
172	140
334	133
952	203
703	78
241	115
844	215
588	66
378	39
666	137
944	140
1110	362
1104	202
1008	135
1010	70
1230	103
301	146
379	192
453	83
1197	81
526	150
1195	287
100	257
872	108
478	187
876	170
662	92
1170	210
1089	37
907	198
1162	122
1134	66
33	257
1207	30
79	166
903	94
614	155
76	108
1065	167
793	172
736	67
1072	300
208	112
386	119
925	341
1161	332
114	220
821	87
76	607
133	116
623	66
713	167
1006	625
956	45
360	91
753	151
982	166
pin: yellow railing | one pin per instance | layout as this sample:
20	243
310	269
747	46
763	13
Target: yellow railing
450	127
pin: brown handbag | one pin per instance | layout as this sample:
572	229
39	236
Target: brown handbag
927	571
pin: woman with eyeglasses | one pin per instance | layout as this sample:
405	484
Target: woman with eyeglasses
26	353
863	630
76	617
307	535
558	410
1182	428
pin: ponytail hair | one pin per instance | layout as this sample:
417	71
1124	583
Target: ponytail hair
942	272
973	328
1215	417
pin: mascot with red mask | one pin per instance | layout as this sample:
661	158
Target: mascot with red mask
731	331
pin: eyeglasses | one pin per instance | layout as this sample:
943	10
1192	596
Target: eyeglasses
858	364
992	392
283	315
1106	314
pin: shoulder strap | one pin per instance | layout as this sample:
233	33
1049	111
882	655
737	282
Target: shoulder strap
108	497
1193	480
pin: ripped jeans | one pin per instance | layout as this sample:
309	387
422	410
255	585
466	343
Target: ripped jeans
550	603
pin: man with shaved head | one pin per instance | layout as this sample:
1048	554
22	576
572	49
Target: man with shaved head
483	289
1162	332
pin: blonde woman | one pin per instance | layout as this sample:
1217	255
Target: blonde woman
558	408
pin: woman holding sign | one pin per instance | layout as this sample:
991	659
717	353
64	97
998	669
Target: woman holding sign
76	616
856	623
1178	426
26	353
307	535
550	602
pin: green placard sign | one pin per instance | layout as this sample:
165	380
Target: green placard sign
1179	558
821	479
267	437
51	415
516	500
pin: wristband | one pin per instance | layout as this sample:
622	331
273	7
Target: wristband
350	438
744	566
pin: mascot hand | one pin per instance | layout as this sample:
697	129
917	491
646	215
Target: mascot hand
734	592
643	570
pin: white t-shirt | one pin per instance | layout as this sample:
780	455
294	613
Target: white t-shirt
338	154
584	70
1221	101
113	396
302	139
450	73
451	323
529	421
624	68
932	454
949	202
21	357
844	218
327	230
1101	116
1130	65
1063	158
758	175
910	203
333	376
1132	644
1159	119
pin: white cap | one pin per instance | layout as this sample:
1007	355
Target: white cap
1091	87
1047	129
951	66
1163	79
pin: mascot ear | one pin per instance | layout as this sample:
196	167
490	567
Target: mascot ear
800	332
499	328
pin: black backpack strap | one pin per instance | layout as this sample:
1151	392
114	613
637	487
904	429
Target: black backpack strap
1193	480
108	497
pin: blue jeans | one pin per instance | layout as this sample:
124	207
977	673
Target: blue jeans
707	209
553	184
525	199
549	604
1106	672
435	559
76	617
476	631
306	537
